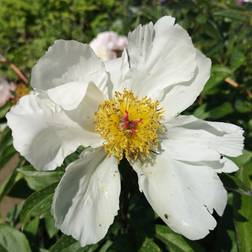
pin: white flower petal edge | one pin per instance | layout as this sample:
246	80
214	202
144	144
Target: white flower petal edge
181	183
118	69
66	70
183	194
87	197
160	56
69	95
44	134
178	98
194	140
84	113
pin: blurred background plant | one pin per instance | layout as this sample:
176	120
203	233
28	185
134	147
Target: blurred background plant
221	29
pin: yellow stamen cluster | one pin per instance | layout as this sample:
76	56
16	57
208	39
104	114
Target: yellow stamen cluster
21	90
129	125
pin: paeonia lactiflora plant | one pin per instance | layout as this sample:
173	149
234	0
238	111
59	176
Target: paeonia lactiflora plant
127	108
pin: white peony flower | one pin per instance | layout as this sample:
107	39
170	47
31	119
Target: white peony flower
127	107
107	45
6	91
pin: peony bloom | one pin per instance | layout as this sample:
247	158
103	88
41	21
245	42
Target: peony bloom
6	91
107	45
127	108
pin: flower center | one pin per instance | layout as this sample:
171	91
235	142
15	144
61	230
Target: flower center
129	125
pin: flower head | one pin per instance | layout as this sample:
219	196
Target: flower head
130	126
107	45
127	108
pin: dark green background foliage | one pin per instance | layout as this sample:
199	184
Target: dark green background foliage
221	29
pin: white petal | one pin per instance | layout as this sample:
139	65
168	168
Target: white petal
182	194
84	114
232	138
186	149
69	95
160	56
113	67
181	183
226	138
43	133
181	96
118	69
228	166
66	65
194	140
87	197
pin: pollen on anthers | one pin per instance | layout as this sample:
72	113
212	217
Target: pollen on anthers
130	126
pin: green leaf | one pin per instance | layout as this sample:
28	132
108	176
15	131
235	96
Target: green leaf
237	59
13	240
218	74
32	226
37	204
233	183
4	110
242	211
175	242
63	243
232	237
50	225
13	215
8	184
2	249
201	112
68	244
105	247
243	106
38	180
244	158
232	15
7	153
150	246
221	111
243	223
224	233
5	137
72	157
